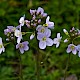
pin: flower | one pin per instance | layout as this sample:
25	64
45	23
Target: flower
78	49
57	40
22	21
71	47
48	23
32	12
42	30
41	12
23	46
18	34
9	30
44	40
1	46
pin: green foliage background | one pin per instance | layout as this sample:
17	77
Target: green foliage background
65	14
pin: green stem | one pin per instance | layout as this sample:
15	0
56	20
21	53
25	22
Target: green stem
37	56
20	67
38	65
67	65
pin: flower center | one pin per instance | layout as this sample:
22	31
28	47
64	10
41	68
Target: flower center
72	47
19	33
21	45
0	46
44	39
42	30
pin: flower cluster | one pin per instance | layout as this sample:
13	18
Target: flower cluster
72	35
41	30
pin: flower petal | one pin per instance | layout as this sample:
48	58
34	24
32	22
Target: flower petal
51	25
57	45
47	19
55	40
49	42
58	35
26	48
74	51
0	50
79	53
21	50
47	32
0	40
42	45
68	50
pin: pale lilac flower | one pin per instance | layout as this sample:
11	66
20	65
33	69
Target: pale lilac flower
42	30
41	12
44	40
78	49
18	34
1	46
22	46
32	12
49	24
22	21
9	30
57	40
71	48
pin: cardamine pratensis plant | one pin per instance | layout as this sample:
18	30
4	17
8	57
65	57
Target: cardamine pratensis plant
42	31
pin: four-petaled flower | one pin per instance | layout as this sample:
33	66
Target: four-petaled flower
49	24
22	46
43	30
44	40
1	46
57	40
18	34
71	47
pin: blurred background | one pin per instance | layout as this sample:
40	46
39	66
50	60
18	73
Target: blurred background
65	14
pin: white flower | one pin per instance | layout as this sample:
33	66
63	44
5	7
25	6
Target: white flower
57	40
18	34
1	46
22	21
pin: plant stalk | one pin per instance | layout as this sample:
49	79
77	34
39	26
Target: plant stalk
38	65
67	65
